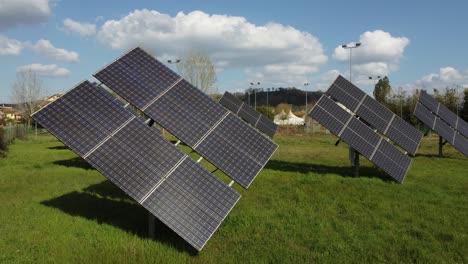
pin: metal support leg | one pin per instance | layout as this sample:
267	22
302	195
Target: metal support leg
356	164
151	225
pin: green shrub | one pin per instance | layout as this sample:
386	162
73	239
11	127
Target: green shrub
3	143
21	132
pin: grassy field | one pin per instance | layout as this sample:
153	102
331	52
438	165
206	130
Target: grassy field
303	207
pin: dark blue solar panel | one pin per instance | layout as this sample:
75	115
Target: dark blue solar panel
241	143
444	113
249	114
182	109
128	84
441	128
231	102
423	114
267	126
461	143
375	114
186	112
136	158
428	101
76	126
391	160
362	138
329	114
140	161
192	202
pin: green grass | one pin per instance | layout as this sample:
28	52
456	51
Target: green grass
303	207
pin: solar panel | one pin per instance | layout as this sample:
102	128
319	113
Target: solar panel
441	128
135	157
249	114
444	113
187	113
361	137
377	115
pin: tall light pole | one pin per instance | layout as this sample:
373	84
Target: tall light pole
305	88
345	46
255	91
353	154
268	106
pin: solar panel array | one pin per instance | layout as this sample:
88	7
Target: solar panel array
249	114
135	157
189	114
445	123
361	137
375	114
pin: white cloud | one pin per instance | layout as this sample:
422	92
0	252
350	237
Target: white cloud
45	48
379	54
10	46
446	77
23	12
274	51
50	70
83	29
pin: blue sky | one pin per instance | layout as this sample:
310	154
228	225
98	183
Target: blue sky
278	43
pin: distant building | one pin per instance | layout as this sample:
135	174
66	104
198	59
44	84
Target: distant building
10	113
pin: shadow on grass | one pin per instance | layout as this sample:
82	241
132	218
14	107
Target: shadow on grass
77	162
58	147
344	171
105	203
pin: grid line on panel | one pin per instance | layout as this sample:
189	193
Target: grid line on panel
360	103
389	124
108	137
211	130
240	107
163	179
161	94
256	123
345	125
375	149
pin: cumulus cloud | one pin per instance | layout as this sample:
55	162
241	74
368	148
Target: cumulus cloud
446	77
45	48
10	46
49	70
379	54
23	12
83	29
272	50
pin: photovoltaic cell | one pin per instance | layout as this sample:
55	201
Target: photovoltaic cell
377	115
231	102
362	138
266	126
245	147
136	158
186	112
444	113
192	202
441	128
249	114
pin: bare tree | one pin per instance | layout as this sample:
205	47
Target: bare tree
26	92
197	68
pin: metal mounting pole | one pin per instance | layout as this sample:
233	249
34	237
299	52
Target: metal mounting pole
442	142
151	225
356	164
